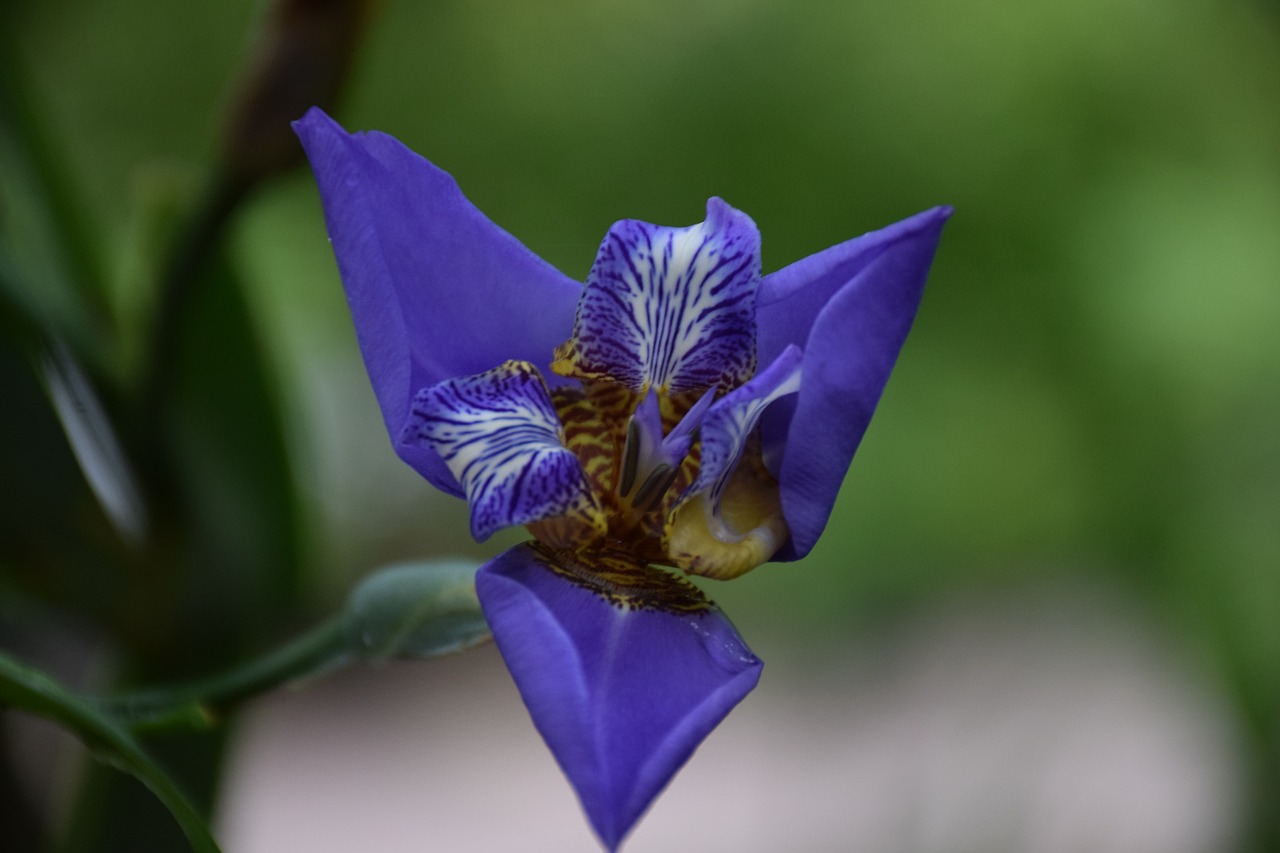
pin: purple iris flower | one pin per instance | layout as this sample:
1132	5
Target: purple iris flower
679	410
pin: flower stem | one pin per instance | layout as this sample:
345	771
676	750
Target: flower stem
32	691
203	702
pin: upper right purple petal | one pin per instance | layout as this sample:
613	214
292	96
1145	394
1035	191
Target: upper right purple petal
849	308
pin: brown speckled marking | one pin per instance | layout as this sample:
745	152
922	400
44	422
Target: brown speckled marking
624	580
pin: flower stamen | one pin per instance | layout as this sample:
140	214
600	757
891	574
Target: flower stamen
630	459
654	487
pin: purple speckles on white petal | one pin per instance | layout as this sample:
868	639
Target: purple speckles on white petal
672	309
499	434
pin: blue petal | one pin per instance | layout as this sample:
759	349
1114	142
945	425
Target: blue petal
849	308
499	435
623	677
435	288
672	309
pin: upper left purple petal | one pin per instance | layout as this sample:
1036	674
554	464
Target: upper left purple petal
436	289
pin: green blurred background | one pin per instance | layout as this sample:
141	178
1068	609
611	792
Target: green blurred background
1090	397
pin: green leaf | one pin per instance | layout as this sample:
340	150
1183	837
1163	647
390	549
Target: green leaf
30	690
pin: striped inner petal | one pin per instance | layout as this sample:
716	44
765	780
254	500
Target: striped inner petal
730	519
498	433
670	309
732	418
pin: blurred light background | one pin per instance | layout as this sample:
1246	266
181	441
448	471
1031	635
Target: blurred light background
1046	613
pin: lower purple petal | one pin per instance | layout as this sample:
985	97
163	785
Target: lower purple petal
850	308
623	677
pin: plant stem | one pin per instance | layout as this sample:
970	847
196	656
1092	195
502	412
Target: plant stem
31	690
203	702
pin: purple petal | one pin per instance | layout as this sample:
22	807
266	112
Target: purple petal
622	685
436	289
499	434
849	308
672	309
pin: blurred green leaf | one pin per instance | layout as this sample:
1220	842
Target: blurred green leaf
56	543
93	441
30	690
228	468
42	229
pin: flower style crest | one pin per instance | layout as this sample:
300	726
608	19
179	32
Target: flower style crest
671	309
714	414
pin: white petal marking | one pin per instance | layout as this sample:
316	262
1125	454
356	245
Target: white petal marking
499	434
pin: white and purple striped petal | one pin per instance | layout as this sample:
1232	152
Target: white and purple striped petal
499	435
733	417
672	309
621	688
